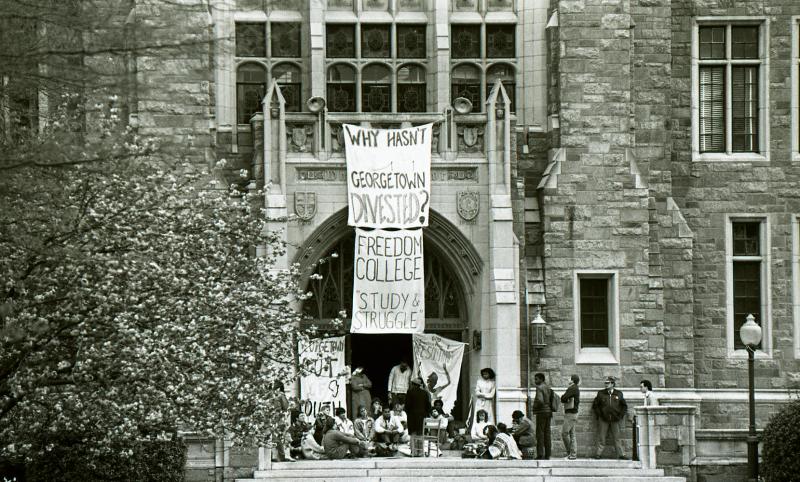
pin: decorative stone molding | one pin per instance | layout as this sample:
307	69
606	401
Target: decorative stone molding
666	438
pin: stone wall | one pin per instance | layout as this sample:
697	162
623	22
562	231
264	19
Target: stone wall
708	191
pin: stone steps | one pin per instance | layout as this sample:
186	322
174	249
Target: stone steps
460	470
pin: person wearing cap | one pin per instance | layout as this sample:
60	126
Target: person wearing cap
418	406
609	409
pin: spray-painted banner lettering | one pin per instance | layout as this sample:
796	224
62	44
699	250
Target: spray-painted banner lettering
324	381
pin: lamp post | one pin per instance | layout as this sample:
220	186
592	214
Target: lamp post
536	340
750	334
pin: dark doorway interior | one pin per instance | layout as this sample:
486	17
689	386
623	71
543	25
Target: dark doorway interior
378	354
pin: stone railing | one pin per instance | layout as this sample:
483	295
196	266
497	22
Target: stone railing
666	438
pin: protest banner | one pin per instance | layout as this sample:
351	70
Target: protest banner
388	282
437	361
326	377
388	176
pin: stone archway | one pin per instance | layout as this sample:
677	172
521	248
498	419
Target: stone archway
451	269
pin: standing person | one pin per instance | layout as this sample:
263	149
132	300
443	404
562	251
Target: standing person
571	399
649	399
323	423
281	404
418	405
522	430
342	423
609	408
387	430
359	391
399	379
484	394
544	413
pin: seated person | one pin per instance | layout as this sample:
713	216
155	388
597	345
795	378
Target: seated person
388	430
337	445
309	448
522	430
342	423
438	404
501	445
403	417
297	429
438	418
363	425
323	423
481	422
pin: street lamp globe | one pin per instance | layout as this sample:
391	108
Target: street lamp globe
750	332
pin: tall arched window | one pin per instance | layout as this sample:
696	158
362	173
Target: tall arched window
288	78
251	80
411	89
341	88
504	73
376	89
466	82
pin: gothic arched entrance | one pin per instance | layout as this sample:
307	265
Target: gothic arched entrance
328	262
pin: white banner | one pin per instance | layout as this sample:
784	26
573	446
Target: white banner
388	176
437	361
388	282
326	382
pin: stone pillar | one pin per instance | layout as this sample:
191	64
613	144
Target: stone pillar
666	437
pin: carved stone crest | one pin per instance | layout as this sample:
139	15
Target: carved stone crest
299	138
305	204
468	203
470	139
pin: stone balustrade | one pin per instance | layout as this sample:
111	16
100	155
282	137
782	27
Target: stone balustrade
666	438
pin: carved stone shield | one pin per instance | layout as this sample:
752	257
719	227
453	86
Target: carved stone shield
470	136
305	204
299	138
468	203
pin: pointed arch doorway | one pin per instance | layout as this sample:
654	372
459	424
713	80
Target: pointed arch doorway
446	310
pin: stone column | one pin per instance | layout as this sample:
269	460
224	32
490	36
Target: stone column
666	437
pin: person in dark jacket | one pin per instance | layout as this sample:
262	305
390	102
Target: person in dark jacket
418	406
542	404
609	408
323	423
571	399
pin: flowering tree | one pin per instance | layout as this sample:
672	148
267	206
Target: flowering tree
132	301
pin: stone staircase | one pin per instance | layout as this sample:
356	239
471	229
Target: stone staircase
461	470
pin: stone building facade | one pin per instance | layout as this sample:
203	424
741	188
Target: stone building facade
631	168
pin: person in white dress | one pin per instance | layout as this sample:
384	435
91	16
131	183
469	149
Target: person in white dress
484	394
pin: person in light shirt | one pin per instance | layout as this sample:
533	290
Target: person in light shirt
342	423
388	429
646	387
403	417
399	380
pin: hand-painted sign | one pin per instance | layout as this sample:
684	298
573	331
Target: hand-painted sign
388	176
325	380
437	361
388	282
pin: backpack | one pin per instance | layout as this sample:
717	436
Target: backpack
555	402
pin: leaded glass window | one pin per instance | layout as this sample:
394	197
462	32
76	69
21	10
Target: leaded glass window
594	312
747	266
251	40
466	82
504	73
376	87
411	89
250	89
285	39
332	292
340	41
376	5
289	79
465	5
729	87
465	41
411	42
500	41
500	4
340	4
341	88
375	41
409	5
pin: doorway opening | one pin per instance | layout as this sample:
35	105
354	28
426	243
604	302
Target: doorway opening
378	354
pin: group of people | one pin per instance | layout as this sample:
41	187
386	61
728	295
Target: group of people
609	409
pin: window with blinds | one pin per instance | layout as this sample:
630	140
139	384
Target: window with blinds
728	98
